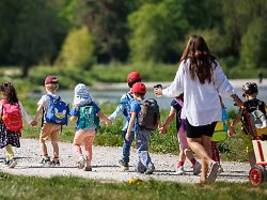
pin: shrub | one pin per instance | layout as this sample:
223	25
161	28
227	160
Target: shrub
254	45
78	49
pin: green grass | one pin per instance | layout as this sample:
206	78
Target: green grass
18	187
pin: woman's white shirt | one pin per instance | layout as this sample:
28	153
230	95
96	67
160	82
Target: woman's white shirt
201	101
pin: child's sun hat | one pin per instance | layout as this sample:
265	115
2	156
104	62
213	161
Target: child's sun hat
51	80
81	95
139	88
133	77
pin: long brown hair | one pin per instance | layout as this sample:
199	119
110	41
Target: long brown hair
10	93
200	59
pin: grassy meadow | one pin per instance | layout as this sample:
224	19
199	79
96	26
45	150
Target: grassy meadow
20	187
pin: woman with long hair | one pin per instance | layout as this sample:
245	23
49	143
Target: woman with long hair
201	79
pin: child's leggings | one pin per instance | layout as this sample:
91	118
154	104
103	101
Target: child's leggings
85	136
9	152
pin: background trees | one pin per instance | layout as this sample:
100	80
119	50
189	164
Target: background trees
35	32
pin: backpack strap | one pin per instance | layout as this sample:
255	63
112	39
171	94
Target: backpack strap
180	102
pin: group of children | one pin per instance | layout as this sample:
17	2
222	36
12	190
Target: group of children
53	113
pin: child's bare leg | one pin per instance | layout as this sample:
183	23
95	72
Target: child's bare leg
43	147
55	149
54	141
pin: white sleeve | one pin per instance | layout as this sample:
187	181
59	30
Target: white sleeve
176	87
43	101
25	116
222	84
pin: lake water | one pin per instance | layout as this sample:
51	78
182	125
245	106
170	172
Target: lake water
114	96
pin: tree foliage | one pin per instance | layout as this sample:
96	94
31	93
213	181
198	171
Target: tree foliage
254	45
78	49
32	31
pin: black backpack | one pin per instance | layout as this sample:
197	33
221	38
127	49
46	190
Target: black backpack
149	116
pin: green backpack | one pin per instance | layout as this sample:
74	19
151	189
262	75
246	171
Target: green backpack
88	118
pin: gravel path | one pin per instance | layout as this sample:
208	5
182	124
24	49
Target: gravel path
105	167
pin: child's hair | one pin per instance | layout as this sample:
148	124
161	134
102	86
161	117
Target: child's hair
10	92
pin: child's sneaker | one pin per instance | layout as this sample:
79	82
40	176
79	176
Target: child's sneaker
197	168
124	165
140	168
180	170
45	160
81	162
88	169
12	163
150	169
55	162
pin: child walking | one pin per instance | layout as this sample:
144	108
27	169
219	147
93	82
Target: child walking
185	152
144	164
256	108
54	114
124	109
85	111
11	125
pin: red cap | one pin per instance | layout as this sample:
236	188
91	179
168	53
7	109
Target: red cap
133	77
51	80
139	88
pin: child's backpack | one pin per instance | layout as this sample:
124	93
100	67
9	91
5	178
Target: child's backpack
259	119
125	102
255	107
88	118
11	116
149	115
57	111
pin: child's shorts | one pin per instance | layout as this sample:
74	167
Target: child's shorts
50	131
82	134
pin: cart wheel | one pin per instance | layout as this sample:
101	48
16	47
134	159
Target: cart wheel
256	175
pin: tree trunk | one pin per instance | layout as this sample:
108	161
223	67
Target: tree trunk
25	71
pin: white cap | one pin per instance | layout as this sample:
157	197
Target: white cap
81	95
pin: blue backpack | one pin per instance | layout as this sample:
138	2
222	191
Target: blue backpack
57	111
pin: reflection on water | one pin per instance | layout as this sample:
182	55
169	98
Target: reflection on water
164	102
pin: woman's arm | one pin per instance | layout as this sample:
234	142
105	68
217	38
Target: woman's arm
176	87
130	126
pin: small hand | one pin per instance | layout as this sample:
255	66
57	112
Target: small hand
162	129
108	122
127	137
34	123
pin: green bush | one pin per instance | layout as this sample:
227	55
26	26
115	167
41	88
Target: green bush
254	45
78	49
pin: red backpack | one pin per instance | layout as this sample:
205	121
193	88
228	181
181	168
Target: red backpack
11	116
